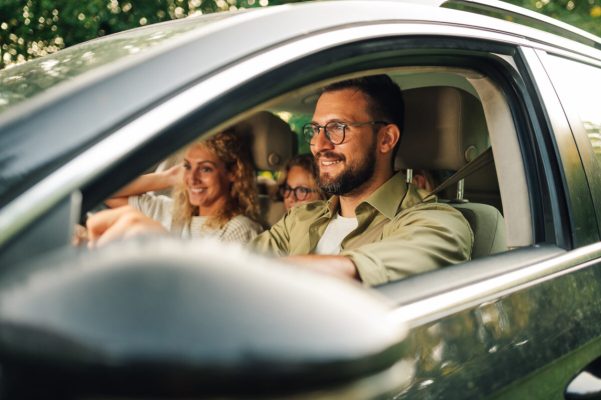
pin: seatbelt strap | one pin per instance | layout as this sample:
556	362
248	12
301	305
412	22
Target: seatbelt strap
479	162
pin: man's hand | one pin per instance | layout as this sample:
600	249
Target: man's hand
339	266
119	223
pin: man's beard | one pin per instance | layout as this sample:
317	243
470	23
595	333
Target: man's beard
353	177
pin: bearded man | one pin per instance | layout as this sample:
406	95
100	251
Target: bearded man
375	227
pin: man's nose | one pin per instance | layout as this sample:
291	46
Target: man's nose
321	142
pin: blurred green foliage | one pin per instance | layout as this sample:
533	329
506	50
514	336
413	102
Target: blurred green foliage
584	14
33	28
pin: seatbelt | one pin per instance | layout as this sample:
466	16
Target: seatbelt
479	162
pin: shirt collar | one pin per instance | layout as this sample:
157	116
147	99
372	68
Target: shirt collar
386	199
332	206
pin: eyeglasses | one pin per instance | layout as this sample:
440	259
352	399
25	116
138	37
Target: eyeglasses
300	192
334	130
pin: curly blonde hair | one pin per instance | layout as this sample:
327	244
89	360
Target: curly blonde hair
242	198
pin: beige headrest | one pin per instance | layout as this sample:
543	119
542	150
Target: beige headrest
444	129
271	139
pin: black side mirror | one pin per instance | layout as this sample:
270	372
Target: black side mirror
166	318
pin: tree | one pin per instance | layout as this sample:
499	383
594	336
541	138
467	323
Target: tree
34	28
584	14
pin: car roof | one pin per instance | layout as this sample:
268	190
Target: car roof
65	119
135	44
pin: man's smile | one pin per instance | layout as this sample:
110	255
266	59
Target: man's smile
327	163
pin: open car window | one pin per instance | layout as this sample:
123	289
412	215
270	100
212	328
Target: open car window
498	184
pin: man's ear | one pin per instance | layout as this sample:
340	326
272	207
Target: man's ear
389	137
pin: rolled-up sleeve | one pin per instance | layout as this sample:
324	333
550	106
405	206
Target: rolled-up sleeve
274	241
420	239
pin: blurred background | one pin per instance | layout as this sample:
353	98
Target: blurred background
33	28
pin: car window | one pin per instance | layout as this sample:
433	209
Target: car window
580	85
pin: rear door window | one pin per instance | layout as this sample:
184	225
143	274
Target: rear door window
578	86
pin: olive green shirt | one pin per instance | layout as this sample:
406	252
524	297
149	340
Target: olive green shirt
398	233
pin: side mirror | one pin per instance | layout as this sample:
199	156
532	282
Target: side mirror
164	318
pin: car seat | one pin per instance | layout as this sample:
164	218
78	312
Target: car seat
445	129
272	143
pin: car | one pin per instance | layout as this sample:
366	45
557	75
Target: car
502	106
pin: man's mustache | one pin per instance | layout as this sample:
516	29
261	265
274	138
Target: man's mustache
330	155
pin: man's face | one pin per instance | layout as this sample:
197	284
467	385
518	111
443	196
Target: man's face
345	167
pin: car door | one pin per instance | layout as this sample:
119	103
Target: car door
575	81
526	332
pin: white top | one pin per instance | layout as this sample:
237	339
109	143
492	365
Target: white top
335	233
239	229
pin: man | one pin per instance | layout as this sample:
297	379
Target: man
375	228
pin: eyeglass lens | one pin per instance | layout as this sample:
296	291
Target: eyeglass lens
300	192
334	131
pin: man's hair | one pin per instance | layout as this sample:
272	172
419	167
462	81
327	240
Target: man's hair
384	97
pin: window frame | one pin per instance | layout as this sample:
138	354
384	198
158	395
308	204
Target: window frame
591	166
257	89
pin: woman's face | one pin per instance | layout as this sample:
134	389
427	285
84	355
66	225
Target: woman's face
207	179
300	187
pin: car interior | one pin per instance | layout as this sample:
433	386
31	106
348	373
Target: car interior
453	116
456	120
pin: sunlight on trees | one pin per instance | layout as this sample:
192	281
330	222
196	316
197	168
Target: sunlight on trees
30	29
584	14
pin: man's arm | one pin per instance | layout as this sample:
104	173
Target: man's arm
423	238
125	222
274	241
119	223
340	266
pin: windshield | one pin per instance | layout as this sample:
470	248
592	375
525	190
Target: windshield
29	79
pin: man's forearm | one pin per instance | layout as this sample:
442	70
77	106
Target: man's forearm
332	265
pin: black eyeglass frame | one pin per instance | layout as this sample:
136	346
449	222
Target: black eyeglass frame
309	129
286	190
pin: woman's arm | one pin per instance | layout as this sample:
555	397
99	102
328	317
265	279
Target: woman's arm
146	183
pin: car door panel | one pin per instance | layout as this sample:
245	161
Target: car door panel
465	345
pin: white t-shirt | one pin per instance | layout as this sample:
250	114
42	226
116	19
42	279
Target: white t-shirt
335	233
238	229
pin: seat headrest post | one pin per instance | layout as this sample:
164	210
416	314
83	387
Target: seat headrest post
460	189
409	177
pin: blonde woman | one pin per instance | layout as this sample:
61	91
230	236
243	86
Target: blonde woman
214	192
